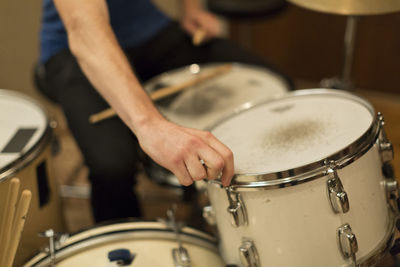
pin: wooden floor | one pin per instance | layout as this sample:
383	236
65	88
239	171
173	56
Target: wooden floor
157	199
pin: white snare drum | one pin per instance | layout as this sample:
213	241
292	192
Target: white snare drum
25	153
202	105
308	189
152	243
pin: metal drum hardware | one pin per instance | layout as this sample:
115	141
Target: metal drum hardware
236	209
248	253
385	146
180	255
50	234
391	186
55	241
337	196
347	242
209	215
392	194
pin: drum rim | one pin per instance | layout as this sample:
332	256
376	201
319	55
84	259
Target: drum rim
32	153
314	170
122	229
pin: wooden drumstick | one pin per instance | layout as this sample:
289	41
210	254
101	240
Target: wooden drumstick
167	91
8	215
18	226
199	36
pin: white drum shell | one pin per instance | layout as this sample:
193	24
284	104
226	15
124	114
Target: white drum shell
296	226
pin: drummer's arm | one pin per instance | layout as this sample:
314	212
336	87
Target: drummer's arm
96	48
94	44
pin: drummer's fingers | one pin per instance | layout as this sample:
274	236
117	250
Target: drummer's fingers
227	156
219	157
195	167
213	161
183	175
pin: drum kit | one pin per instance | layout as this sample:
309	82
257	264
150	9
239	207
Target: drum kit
309	187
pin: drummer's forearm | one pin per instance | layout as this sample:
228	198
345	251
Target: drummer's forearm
94	44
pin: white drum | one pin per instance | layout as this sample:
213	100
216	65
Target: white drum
202	105
308	187
153	244
25	153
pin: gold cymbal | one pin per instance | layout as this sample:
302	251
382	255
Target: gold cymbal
350	7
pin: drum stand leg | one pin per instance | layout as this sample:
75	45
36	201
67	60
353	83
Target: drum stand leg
344	82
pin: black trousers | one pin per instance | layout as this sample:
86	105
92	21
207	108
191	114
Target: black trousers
110	149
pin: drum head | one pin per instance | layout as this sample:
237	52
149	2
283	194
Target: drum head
23	123
294	131
207	102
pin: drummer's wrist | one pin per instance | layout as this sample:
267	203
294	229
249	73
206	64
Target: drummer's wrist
146	123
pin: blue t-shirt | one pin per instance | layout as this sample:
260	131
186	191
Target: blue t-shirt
133	22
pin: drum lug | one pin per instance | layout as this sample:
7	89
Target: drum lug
248	253
391	186
55	242
181	257
236	208
385	146
347	242
337	196
209	215
386	149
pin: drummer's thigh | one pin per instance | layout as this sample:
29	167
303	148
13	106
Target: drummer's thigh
109	147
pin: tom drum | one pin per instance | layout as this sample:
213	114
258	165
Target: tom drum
308	187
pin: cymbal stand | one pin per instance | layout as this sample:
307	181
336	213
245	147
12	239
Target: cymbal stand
344	82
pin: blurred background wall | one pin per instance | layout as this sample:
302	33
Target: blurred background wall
308	45
19	26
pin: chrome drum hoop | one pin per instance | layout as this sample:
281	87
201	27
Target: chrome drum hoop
312	171
27	157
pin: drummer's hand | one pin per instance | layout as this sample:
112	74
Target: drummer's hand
180	150
195	19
